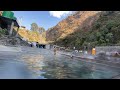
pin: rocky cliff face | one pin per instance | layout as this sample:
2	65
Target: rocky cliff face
81	20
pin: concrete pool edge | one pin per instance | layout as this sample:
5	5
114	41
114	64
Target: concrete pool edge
9	48
94	61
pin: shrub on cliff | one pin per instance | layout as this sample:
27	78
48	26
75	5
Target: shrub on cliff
3	32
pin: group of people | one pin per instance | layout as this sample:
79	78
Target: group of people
36	44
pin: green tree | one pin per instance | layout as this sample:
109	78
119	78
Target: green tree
34	27
109	37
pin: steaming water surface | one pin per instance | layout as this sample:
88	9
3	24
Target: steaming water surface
33	63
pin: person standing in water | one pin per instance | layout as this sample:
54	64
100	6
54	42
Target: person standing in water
37	45
55	50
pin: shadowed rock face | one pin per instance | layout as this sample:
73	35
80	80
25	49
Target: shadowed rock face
81	19
11	41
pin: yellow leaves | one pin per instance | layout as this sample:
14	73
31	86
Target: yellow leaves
32	35
71	24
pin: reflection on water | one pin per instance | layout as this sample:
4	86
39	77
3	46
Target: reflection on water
43	64
34	63
61	67
13	70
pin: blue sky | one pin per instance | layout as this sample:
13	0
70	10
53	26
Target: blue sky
44	19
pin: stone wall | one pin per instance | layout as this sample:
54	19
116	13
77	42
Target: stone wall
107	49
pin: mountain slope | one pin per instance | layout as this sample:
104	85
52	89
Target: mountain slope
104	31
70	25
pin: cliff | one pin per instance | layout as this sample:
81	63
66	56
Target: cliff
81	19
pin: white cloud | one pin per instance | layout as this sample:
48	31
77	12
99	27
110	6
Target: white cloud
59	14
